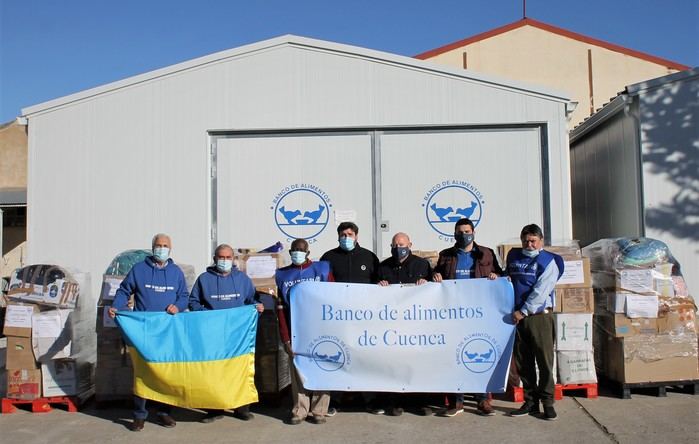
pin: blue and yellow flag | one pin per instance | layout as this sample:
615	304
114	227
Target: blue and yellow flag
202	359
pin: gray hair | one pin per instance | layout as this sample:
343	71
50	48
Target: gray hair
223	247
158	236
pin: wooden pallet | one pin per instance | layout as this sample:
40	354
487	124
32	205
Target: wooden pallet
659	388
589	389
40	405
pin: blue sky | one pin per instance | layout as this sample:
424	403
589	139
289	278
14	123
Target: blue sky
49	49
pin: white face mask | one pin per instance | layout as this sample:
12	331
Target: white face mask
224	265
298	257
161	253
530	253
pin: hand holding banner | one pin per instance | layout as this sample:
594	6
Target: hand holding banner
451	337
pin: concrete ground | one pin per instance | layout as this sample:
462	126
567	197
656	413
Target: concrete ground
644	418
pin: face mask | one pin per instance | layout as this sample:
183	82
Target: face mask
463	240
298	257
224	265
530	253
399	253
161	253
347	243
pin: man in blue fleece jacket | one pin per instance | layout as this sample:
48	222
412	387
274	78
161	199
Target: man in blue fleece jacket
157	284
223	286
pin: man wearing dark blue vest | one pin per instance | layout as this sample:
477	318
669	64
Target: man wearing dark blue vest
534	273
306	404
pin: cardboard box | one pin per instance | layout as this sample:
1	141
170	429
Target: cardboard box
574	300
635	280
616	301
621	326
18	320
42	284
59	377
574	331
662	358
641	306
678	320
431	255
50	337
20	353
576	273
260	267
24	383
110	284
576	367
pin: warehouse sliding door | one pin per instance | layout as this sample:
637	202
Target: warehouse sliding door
431	178
278	187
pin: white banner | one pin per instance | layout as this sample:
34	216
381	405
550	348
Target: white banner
449	337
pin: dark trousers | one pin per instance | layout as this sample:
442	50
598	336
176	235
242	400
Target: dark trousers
534	347
141	410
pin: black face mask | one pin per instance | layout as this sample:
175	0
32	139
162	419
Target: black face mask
463	240
399	253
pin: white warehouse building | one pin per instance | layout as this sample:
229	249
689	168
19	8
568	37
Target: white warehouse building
285	138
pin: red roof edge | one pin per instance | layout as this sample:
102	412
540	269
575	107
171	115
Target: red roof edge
555	30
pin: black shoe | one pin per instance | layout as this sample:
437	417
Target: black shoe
294	420
211	417
528	408
317	419
137	425
243	414
425	411
395	411
550	413
166	421
332	411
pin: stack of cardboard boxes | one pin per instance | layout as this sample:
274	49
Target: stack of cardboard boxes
644	318
573	308
271	361
47	347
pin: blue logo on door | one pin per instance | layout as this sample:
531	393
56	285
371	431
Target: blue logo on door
301	211
451	200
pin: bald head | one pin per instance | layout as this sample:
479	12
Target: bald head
401	240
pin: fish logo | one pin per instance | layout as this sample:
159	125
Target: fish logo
450	201
479	355
329	355
301	211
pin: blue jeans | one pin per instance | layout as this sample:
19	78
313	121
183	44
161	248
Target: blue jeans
141	410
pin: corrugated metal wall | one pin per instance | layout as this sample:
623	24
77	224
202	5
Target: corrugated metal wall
108	171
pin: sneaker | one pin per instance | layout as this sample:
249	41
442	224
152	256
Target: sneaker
528	408
458	408
395	411
317	419
211	417
332	411
166	421
294	420
376	410
137	425
550	413
485	409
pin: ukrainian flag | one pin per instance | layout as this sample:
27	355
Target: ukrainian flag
201	359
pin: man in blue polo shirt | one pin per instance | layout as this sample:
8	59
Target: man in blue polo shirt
534	273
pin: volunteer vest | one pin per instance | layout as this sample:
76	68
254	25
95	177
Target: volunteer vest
524	271
289	276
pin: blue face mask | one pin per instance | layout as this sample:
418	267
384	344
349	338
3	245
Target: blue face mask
347	243
400	253
224	265
530	253
161	253
298	257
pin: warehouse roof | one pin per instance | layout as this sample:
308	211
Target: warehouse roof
617	103
555	30
309	44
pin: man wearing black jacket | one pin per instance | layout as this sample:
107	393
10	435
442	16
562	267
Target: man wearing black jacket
349	262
